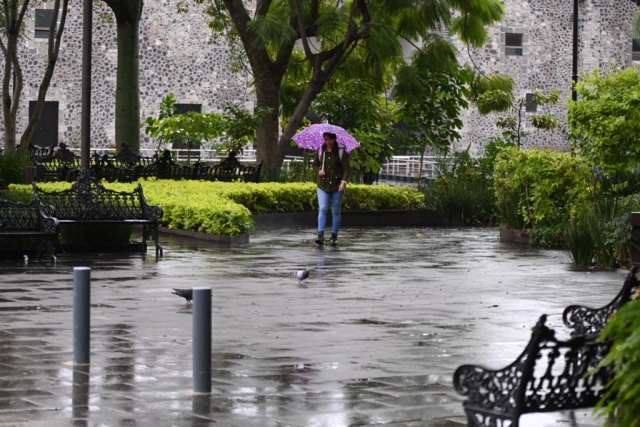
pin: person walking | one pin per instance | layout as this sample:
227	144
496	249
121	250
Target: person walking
332	165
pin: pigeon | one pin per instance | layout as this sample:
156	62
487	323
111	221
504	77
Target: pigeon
26	259
184	293
302	274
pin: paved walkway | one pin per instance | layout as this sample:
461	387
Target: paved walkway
372	338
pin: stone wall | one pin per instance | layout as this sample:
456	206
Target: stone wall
546	63
177	56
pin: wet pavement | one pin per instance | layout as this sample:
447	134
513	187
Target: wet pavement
372	338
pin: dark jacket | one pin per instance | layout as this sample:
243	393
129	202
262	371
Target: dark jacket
336	170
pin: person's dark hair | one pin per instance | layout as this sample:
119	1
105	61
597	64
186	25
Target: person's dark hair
330	135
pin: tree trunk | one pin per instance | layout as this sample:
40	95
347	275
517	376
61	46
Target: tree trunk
127	86
55	38
9	118
314	88
128	14
268	96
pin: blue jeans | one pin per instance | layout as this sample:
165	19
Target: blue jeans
323	202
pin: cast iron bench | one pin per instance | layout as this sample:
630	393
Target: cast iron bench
59	165
89	202
230	170
550	374
25	220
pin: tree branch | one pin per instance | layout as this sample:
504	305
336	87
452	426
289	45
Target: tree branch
258	56
263	7
302	29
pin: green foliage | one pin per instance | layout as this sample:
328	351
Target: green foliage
236	128
578	239
635	25
430	104
369	31
463	191
550	188
621	402
502	99
606	119
226	208
240	127
188	129
374	151
13	166
602	234
356	106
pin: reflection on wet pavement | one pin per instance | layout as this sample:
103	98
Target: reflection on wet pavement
371	338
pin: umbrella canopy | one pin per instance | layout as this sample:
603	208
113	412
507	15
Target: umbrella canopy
311	138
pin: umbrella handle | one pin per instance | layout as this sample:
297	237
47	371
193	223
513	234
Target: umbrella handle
323	154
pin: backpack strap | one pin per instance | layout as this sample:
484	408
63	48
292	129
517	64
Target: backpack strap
341	149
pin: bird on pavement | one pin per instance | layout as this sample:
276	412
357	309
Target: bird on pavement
301	275
184	293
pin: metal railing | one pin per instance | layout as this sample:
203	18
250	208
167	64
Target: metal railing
400	166
182	154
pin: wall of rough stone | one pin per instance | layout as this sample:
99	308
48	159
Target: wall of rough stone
177	56
546	64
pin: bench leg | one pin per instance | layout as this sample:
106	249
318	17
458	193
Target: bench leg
156	239
51	248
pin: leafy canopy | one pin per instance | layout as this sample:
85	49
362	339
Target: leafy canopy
606	118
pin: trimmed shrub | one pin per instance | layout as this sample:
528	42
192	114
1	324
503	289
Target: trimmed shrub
226	208
550	187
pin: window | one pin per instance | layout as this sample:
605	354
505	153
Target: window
46	133
531	105
185	108
635	50
44	17
513	44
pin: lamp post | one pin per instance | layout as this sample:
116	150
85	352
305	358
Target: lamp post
85	127
574	79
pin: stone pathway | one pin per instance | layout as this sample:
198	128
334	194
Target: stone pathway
372	338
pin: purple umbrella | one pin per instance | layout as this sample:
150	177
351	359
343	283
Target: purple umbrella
311	138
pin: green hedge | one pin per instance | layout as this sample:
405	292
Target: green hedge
226	208
541	190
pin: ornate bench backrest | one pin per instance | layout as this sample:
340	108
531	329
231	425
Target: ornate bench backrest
25	217
592	321
18	216
565	375
87	199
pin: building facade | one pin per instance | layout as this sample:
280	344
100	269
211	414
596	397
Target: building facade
533	44
177	55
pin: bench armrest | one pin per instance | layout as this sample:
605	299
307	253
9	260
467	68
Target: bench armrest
592	321
496	390
586	320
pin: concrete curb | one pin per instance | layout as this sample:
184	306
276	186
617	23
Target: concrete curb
351	219
511	235
230	240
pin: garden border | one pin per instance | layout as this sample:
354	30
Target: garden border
352	219
230	240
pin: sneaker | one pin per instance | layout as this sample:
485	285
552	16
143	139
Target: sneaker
320	239
334	239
